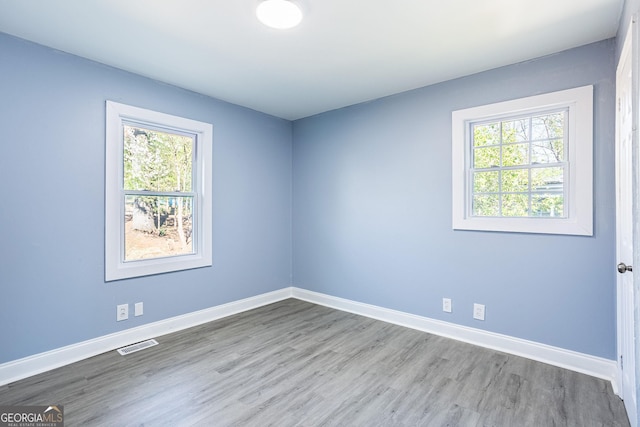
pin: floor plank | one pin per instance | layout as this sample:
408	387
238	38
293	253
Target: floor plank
298	364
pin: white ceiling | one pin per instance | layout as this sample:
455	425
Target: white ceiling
343	53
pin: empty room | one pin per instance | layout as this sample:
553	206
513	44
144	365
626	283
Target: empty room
319	213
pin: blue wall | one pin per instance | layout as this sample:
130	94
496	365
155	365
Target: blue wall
52	288
371	207
372	213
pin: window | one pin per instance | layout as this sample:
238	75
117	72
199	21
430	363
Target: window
525	165
158	196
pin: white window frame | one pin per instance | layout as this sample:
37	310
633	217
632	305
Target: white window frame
115	266
579	186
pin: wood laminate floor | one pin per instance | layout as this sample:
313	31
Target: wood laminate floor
294	363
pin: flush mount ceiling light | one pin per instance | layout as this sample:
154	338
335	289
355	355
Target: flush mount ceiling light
279	14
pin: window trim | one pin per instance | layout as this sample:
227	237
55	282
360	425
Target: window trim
115	266
579	219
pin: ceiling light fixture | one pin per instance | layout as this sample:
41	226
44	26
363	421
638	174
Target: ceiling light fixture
279	14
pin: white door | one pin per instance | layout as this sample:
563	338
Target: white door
625	111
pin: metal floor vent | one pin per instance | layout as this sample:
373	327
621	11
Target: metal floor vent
137	347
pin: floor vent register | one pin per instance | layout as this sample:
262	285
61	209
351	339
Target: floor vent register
137	347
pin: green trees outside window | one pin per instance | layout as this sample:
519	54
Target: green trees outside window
159	194
518	166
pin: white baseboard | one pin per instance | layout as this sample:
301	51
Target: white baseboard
22	368
595	366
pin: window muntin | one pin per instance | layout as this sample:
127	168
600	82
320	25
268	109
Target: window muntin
518	167
157	192
525	165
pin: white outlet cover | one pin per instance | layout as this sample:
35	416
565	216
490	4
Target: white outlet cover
478	311
138	309
446	305
122	312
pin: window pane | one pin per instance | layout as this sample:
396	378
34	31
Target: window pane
157	226
515	154
547	151
486	157
515	131
486	205
550	205
516	180
515	205
487	134
486	182
157	161
545	179
549	126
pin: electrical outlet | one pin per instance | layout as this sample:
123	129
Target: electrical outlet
478	311
138	309
123	312
446	305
